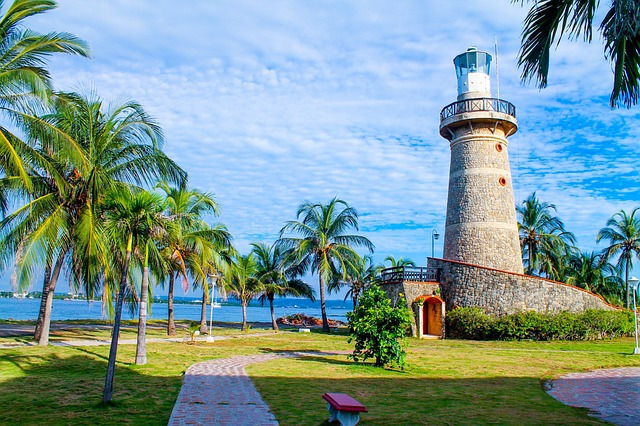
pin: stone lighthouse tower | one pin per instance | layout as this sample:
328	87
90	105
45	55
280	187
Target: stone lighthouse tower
481	227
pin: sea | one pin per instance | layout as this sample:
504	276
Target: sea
187	309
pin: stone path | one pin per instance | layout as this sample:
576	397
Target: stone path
220	392
611	394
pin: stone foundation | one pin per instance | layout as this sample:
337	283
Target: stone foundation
501	293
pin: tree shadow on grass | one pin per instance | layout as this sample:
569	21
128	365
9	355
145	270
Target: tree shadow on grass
403	401
49	388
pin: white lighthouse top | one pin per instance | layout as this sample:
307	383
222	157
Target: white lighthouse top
472	70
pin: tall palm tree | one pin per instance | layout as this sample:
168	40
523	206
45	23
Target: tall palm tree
210	253
398	262
548	20
588	270
186	208
243	282
541	233
25	83
323	245
105	148
361	273
277	271
130	220
623	235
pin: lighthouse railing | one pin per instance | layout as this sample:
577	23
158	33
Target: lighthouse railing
479	104
409	273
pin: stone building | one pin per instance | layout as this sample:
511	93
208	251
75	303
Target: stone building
482	258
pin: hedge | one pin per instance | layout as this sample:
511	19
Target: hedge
473	323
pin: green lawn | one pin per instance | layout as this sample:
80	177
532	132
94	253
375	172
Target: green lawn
446	381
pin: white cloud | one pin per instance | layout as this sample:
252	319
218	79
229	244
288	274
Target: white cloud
271	103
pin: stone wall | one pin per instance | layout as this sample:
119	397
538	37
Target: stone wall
500	293
411	291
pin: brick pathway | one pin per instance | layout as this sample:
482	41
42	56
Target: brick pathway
220	392
611	394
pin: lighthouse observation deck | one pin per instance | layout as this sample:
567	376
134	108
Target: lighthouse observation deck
479	104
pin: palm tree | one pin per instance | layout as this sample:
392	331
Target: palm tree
541	233
277	272
25	83
623	235
130	221
589	271
210	252
323	245
399	262
104	149
548	20
243	282
186	208
361	273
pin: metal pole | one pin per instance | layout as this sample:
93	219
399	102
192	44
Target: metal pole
636	351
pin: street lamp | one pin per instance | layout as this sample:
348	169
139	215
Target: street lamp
434	237
634	284
210	338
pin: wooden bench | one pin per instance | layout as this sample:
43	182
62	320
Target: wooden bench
343	408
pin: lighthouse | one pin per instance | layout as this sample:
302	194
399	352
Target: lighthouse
481	227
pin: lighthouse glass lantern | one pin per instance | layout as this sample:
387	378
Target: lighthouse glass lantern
472	70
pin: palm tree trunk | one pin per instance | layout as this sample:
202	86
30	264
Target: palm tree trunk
141	344
244	315
43	339
203	312
626	277
43	301
111	365
171	325
274	324
325	322
531	257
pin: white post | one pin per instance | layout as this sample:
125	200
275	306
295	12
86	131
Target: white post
213	290
634	283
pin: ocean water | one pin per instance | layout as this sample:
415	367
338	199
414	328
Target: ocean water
27	309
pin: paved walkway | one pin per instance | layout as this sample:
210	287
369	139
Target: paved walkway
220	392
611	394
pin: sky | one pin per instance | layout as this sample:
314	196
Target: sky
269	104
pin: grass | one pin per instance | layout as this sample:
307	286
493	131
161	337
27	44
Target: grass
445	382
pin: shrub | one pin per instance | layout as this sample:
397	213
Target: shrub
473	323
378	328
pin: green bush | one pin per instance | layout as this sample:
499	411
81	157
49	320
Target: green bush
473	323
378	328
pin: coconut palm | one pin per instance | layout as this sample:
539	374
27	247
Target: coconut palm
588	270
361	273
277	272
130	220
623	235
242	281
210	253
399	262
323	245
109	148
25	83
548	20
186	208
541	233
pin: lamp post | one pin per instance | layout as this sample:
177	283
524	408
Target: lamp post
434	237
634	284
210	338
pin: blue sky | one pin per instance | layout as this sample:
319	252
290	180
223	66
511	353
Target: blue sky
271	103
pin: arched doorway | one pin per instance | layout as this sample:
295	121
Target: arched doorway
432	316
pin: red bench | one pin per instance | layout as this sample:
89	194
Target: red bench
343	408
